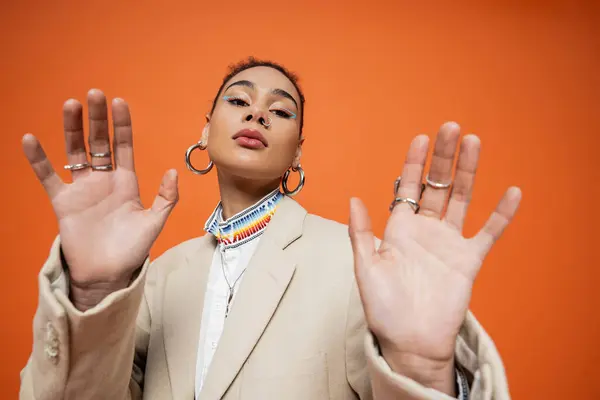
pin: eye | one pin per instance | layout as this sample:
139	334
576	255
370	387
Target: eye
284	113
236	101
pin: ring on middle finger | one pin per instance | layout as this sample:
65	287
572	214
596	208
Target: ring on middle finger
100	155
437	185
105	167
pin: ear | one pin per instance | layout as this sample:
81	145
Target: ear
296	162
204	137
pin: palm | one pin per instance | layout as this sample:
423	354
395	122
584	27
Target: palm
97	194
105	231
416	286
413	274
101	212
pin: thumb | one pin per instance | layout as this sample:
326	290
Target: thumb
168	195
361	236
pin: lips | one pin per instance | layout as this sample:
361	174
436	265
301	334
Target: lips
251	138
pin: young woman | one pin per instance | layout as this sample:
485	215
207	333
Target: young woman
272	302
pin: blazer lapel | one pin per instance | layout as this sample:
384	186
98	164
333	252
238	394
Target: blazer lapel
266	279
182	313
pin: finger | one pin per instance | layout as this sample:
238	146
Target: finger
123	135
498	221
99	141
412	173
361	236
434	199
41	165
74	141
464	179
167	196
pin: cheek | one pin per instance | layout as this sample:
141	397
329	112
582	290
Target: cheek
286	142
223	121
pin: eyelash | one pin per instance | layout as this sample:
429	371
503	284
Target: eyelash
239	102
235	100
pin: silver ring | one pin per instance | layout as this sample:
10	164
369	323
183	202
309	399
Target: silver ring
397	186
265	122
105	167
413	203
76	167
101	155
437	185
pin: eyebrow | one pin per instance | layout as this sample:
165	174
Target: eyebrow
278	92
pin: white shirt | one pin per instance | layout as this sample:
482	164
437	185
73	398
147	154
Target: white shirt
235	261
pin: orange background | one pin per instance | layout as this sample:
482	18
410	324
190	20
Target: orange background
522	75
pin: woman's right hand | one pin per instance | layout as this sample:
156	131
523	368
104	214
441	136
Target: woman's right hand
106	234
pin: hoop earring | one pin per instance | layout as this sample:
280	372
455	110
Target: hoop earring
188	162
285	179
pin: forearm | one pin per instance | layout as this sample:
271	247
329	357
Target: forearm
71	348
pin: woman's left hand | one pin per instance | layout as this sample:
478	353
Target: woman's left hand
416	287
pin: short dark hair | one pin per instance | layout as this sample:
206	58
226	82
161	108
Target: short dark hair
252	62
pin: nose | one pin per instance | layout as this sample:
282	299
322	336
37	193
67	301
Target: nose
259	116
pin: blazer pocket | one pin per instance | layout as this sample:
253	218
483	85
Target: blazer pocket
302	379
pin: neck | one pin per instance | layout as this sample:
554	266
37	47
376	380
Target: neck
237	194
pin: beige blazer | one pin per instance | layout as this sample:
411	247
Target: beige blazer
296	330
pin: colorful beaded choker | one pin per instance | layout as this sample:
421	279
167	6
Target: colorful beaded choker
245	225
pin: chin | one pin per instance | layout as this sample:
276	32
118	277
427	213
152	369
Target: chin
252	167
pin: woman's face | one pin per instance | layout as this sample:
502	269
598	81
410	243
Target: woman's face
238	142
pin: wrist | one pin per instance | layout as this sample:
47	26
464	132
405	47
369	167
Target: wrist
435	374
85	297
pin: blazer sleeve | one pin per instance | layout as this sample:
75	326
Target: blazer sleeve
96	354
371	377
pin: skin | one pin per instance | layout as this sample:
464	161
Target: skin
415	288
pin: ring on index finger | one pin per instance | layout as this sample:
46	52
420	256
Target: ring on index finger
397	186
